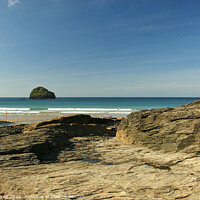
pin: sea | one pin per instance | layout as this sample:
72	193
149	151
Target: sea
100	106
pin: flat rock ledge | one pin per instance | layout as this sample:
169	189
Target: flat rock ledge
78	157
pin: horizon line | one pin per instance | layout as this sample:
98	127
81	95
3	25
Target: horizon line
114	97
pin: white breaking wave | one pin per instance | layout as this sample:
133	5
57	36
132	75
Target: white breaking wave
21	111
90	109
84	112
6	109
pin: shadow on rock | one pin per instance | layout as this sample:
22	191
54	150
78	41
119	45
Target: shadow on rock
45	141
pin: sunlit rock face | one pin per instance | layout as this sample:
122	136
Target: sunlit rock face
167	129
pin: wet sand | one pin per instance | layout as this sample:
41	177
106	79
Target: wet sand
27	118
33	118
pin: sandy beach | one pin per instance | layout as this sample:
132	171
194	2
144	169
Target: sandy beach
23	119
33	118
25	110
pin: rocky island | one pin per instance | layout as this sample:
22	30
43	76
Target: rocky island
151	154
41	93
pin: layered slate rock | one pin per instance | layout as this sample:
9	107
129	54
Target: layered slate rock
41	93
91	164
42	142
21	146
168	129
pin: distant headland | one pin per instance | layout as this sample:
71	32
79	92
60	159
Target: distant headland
41	93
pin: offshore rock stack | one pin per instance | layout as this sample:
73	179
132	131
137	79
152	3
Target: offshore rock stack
41	93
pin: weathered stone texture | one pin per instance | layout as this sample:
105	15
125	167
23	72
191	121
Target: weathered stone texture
78	157
168	129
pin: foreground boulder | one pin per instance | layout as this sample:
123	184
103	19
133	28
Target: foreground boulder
168	129
41	93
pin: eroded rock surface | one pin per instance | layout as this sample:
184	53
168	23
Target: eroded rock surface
43	141
103	168
168	129
78	157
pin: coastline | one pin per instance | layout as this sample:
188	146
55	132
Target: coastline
21	111
34	118
75	155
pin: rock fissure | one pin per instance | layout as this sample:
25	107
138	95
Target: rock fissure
183	197
173	120
157	166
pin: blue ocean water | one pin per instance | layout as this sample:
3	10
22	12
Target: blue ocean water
100	105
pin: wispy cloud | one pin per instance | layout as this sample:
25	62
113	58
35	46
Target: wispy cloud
91	73
153	27
13	2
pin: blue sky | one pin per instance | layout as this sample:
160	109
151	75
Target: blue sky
85	48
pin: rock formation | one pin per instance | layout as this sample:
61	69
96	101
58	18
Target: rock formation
78	157
22	144
41	93
168	129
